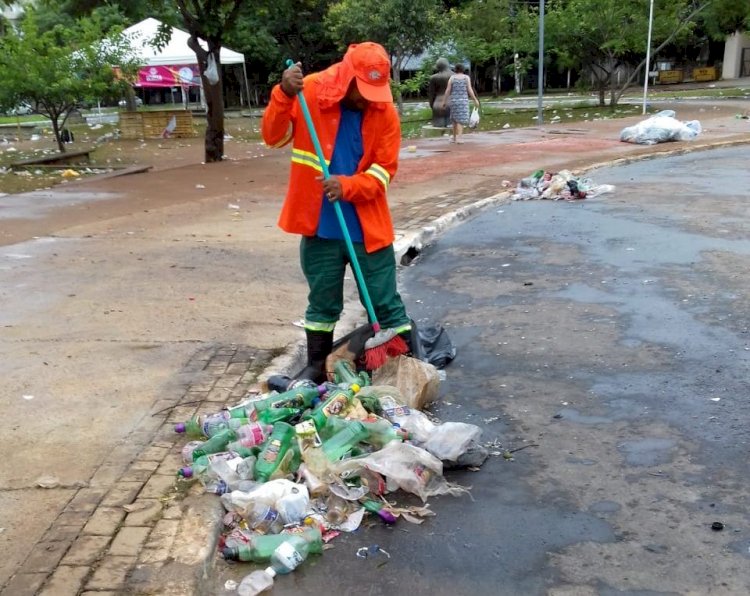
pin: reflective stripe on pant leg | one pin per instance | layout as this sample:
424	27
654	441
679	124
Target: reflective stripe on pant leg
323	265
379	271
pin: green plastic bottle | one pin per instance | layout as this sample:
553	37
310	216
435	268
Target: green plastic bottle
379	430
344	373
215	444
270	415
298	398
344	440
274	451
336	402
261	547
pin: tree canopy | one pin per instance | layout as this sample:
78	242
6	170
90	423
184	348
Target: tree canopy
57	70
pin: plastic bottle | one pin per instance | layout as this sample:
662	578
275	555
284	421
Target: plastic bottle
337	510
274	451
344	440
413	421
220	472
216	443
289	555
298	398
343	373
207	426
262	547
263	518
254	583
266	415
379	509
188	448
337	401
379	430
283	383
253	433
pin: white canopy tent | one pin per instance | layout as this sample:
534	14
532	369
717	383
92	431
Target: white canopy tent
176	52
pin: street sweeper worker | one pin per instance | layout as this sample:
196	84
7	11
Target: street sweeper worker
352	111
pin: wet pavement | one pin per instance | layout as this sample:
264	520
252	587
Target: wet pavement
606	343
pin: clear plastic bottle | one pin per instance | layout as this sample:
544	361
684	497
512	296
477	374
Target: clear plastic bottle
256	582
413	421
263	518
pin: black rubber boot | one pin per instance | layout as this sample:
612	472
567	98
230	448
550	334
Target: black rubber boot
319	345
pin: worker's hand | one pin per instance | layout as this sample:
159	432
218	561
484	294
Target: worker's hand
291	80
332	189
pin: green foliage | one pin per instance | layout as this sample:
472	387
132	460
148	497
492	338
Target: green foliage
724	17
58	70
599	35
403	27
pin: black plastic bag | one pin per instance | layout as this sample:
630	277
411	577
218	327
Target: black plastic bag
436	345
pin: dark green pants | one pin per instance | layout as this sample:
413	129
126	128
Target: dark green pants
324	265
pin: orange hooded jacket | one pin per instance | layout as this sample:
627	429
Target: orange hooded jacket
366	189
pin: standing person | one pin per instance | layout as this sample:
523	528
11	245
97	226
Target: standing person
352	109
459	91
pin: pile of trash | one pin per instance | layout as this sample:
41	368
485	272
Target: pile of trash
297	467
558	186
660	128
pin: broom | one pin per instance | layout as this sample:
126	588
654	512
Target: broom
384	342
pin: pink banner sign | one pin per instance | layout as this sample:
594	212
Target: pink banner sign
184	75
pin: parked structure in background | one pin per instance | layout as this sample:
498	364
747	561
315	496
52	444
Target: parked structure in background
736	56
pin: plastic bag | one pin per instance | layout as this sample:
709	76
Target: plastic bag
417	381
660	128
450	440
474	118
405	466
437	346
212	71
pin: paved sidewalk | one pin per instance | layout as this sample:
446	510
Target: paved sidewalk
131	529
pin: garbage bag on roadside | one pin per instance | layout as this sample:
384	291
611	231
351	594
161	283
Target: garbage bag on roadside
437	346
660	128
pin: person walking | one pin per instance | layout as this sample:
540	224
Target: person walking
352	109
458	92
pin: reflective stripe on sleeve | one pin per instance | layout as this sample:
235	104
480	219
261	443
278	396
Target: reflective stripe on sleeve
380	173
306	158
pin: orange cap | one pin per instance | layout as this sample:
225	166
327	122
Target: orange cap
372	69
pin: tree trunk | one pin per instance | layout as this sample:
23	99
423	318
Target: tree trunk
55	121
495	78
396	70
517	73
214	146
214	94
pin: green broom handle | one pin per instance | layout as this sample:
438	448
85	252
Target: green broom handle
339	213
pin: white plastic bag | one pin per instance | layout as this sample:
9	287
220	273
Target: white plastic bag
474	118
212	72
405	466
660	128
449	440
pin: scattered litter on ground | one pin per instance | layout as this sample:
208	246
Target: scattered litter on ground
660	128
296	468
48	482
558	186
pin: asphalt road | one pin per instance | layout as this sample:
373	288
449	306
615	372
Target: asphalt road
609	339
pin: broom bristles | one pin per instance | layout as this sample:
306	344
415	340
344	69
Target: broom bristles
376	357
